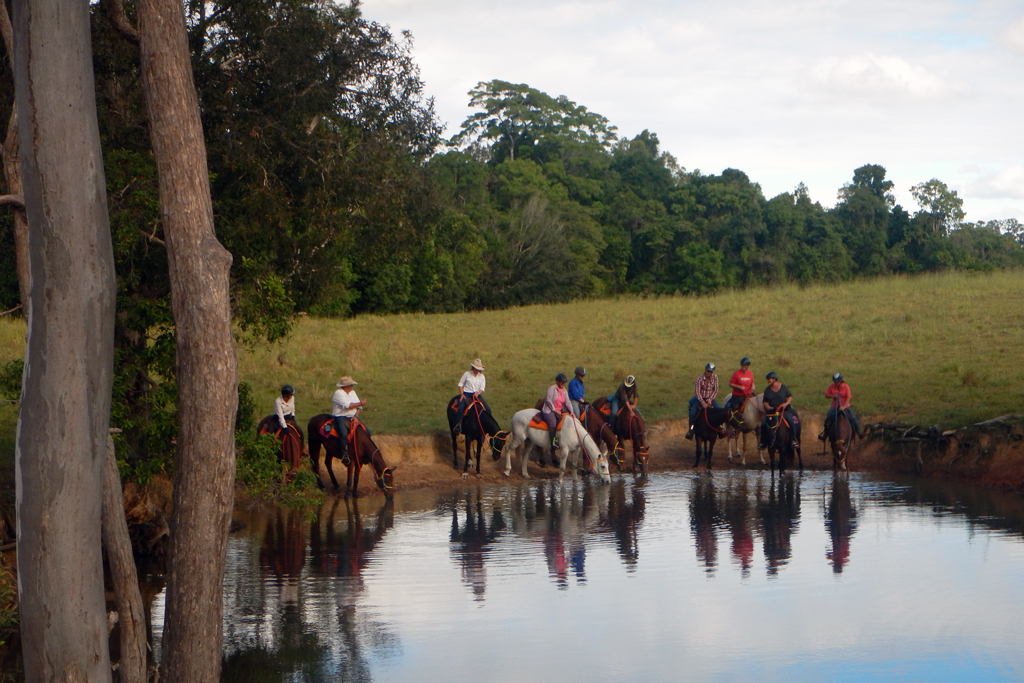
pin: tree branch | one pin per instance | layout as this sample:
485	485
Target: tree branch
15	200
115	11
10	310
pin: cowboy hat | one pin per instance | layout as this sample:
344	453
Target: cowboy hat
477	365
346	381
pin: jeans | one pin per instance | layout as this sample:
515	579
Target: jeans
830	418
695	407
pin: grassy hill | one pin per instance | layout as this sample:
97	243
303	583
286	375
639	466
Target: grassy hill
932	349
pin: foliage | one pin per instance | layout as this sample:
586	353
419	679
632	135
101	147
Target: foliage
10	379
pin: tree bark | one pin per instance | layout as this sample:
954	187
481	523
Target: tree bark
206	367
65	405
10	161
123	574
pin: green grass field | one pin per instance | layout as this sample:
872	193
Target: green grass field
933	349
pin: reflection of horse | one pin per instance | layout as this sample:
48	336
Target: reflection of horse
840	437
344	550
742	422
779	516
283	549
779	440
628	426
471	542
572	439
706	430
475	425
361	450
293	443
736	510
704	521
841	522
625	518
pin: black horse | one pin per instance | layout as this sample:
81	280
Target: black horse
777	435
706	430
476	424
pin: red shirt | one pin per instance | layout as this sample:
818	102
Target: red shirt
840	395
744	378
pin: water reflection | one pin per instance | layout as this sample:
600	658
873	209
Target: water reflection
779	515
841	522
471	542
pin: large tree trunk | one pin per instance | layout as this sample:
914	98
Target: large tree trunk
206	369
9	159
65	406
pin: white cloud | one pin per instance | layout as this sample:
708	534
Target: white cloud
879	76
1006	183
1013	36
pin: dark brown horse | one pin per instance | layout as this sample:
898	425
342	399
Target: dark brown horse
629	426
778	439
361	450
293	444
476	425
840	437
707	428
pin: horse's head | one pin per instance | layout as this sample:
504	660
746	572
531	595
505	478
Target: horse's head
772	421
642	458
598	461
386	481
601	469
498	442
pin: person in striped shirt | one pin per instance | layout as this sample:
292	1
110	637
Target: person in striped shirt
705	389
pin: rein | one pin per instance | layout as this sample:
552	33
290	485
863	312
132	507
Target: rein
721	432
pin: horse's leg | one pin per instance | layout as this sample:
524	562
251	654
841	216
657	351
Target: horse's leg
527	450
479	447
455	451
710	446
353	477
329	451
696	448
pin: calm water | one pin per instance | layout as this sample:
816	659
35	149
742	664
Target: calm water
727	576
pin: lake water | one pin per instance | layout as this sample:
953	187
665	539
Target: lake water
727	576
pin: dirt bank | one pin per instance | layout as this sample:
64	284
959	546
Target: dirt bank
990	453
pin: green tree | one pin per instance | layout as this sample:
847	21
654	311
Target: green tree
943	205
863	210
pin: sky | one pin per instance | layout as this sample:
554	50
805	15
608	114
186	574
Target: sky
787	91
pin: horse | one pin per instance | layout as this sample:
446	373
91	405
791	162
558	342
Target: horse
706	430
629	426
779	440
476	424
293	445
572	438
361	450
743	421
597	427
840	437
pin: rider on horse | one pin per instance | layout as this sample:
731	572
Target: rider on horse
705	389
839	392
576	390
777	397
471	386
555	403
345	406
284	408
742	384
625	394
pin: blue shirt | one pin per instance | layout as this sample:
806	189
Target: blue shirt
575	389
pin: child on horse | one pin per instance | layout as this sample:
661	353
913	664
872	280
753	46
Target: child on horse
839	392
742	385
705	389
777	398
471	386
555	403
284	409
344	406
576	390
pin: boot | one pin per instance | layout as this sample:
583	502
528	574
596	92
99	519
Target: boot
821	437
689	434
457	429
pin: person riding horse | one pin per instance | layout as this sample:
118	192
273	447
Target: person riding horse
471	386
345	406
705	389
576	392
284	409
555	403
742	385
839	392
777	398
625	394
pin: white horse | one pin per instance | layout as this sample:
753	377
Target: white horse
572	439
750	421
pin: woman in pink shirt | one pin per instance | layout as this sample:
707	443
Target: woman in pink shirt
555	403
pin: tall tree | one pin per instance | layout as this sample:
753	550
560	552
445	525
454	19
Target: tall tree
10	164
205	353
65	407
942	204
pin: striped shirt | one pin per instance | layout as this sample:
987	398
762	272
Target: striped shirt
706	388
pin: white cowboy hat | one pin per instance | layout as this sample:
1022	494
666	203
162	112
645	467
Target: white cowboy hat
346	381
477	365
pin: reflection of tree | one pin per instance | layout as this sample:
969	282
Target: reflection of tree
625	518
841	522
704	516
779	515
736	510
471	543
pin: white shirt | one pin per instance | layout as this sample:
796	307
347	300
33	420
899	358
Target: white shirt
283	407
342	403
472	384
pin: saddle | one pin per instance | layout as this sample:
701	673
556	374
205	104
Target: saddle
328	431
537	422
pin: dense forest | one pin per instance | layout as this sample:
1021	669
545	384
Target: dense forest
337	194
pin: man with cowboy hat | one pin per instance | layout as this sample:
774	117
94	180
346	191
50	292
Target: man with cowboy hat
344	406
472	385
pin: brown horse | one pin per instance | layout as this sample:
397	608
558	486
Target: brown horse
629	426
293	445
361	451
778	437
840	437
707	428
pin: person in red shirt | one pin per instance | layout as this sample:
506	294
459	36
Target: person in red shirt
839	393
742	384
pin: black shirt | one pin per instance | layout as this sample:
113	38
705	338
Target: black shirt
776	398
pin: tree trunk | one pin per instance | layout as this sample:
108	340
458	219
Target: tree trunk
9	159
206	367
65	405
123	575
